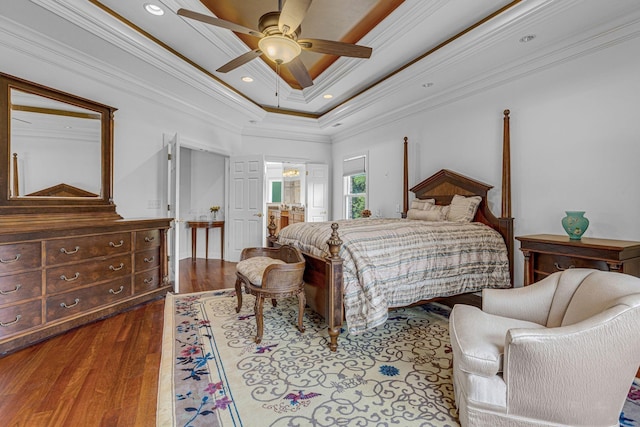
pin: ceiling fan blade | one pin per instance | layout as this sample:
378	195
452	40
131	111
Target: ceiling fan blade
219	23
240	60
299	71
292	14
335	48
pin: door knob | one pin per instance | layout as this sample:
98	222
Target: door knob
259	214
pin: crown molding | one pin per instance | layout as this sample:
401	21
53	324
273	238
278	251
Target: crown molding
567	50
106	27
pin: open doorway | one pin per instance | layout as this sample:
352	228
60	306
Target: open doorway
202	200
285	194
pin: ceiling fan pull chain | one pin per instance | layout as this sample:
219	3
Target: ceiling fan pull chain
277	84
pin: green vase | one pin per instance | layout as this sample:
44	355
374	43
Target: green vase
575	224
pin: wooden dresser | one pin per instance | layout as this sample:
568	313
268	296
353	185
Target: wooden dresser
66	256
55	279
547	253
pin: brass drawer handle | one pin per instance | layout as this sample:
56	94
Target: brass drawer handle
75	302
64	251
4	325
116	245
9	261
150	259
66	279
149	239
111	291
557	266
112	268
12	291
148	281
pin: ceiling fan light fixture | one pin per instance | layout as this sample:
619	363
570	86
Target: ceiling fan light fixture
279	49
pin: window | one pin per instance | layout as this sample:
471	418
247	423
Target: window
354	172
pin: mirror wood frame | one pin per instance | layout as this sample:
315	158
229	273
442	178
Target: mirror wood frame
51	208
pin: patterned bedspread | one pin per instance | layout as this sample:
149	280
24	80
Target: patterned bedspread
395	262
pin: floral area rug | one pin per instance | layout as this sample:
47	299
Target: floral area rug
213	374
630	416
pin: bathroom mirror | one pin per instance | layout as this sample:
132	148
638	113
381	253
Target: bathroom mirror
292	178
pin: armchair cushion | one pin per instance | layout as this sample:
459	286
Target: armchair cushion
480	337
253	268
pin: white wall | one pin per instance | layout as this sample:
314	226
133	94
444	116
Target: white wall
149	104
575	138
575	130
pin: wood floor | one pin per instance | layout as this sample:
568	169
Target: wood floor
102	374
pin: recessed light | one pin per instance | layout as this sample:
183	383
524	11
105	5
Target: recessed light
153	9
327	96
527	38
247	79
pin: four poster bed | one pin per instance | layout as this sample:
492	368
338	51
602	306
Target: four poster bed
358	269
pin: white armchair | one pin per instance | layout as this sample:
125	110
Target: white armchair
561	352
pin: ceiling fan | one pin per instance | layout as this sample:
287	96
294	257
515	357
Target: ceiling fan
278	34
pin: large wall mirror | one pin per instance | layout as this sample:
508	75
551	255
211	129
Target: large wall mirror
56	149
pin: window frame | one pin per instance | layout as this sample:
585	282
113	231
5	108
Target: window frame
351	168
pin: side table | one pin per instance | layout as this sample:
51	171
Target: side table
194	225
547	253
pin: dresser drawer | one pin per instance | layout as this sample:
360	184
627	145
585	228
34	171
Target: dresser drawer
81	248
20	256
63	278
82	300
145	260
147	281
20	317
147	239
549	263
18	287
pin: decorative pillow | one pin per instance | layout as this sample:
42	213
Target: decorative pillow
430	215
422	204
253	268
463	209
444	209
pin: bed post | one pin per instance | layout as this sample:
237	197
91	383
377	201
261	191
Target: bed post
16	191
506	221
334	288
506	167
405	188
272	238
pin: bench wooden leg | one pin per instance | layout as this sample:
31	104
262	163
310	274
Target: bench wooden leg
259	319
302	302
239	294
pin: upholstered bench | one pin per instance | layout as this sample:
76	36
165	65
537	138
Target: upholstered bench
271	273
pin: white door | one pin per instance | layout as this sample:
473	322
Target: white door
317	192
172	149
246	220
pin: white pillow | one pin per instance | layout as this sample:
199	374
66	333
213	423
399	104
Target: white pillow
422	204
463	209
444	209
430	215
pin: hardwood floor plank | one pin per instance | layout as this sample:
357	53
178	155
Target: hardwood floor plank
101	374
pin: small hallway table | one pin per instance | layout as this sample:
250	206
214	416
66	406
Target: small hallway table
194	225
